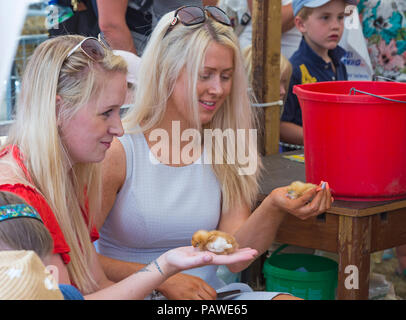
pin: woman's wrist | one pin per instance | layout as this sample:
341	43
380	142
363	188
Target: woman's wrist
270	204
159	267
164	267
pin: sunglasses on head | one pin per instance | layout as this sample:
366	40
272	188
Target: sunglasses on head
192	15
92	47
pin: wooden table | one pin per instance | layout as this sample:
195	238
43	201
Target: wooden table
354	230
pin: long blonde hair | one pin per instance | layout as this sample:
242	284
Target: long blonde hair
184	48
35	131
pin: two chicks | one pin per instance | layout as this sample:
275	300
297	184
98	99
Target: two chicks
223	243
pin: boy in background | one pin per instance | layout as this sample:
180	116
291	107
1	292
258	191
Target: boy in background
317	59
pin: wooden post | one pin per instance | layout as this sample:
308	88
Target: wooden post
354	248
266	47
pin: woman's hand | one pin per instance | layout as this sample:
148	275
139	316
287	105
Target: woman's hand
183	286
184	258
311	203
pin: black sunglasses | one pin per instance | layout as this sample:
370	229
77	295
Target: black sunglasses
192	15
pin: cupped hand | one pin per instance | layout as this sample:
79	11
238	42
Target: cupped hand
184	258
311	203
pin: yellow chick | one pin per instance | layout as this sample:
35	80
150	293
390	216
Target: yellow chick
215	241
297	188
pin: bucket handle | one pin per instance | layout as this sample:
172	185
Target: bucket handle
353	91
378	78
283	246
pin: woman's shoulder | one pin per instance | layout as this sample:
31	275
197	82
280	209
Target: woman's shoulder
114	164
113	178
115	155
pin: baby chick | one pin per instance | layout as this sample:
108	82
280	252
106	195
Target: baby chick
297	188
215	241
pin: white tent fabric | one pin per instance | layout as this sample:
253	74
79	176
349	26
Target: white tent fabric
12	15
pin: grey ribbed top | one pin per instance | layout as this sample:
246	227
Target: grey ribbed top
159	208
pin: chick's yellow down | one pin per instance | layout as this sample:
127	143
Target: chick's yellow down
215	241
297	188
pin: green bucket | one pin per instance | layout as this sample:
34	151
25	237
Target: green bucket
305	276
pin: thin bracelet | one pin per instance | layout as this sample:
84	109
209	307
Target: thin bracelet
158	267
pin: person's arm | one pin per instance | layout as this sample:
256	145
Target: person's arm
249	3
258	230
113	25
288	21
291	133
141	283
210	2
113	169
250	227
136	286
179	286
57	268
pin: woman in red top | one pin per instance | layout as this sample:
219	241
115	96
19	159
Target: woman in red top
67	116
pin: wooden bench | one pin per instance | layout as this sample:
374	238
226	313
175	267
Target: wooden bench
352	229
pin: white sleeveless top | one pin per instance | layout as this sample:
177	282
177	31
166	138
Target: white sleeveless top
159	207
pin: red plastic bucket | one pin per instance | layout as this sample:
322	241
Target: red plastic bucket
355	141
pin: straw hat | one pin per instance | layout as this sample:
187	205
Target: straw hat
23	276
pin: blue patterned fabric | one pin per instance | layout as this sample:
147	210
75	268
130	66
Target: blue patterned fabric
384	27
11	211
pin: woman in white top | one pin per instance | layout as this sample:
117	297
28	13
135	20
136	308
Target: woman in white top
71	94
169	176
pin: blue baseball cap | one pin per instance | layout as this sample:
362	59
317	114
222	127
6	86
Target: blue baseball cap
299	4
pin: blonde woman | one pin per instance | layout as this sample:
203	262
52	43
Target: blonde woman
67	116
160	185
